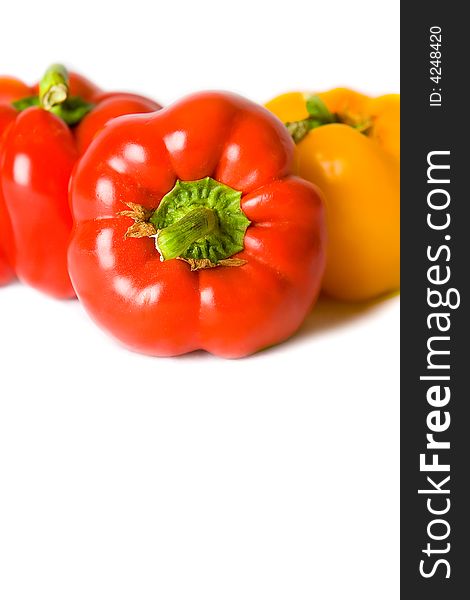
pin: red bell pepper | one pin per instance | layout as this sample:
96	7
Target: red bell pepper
191	233
43	131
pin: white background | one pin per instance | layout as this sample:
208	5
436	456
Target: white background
272	477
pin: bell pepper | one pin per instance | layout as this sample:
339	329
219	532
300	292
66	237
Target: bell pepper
43	131
349	145
191	233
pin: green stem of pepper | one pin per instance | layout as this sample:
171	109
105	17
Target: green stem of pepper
200	222
54	97
319	115
174	240
54	87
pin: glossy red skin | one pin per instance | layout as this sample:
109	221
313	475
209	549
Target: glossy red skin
38	152
7	273
162	308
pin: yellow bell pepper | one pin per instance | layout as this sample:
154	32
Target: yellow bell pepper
349	145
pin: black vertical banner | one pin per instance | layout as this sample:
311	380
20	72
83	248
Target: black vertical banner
435	250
